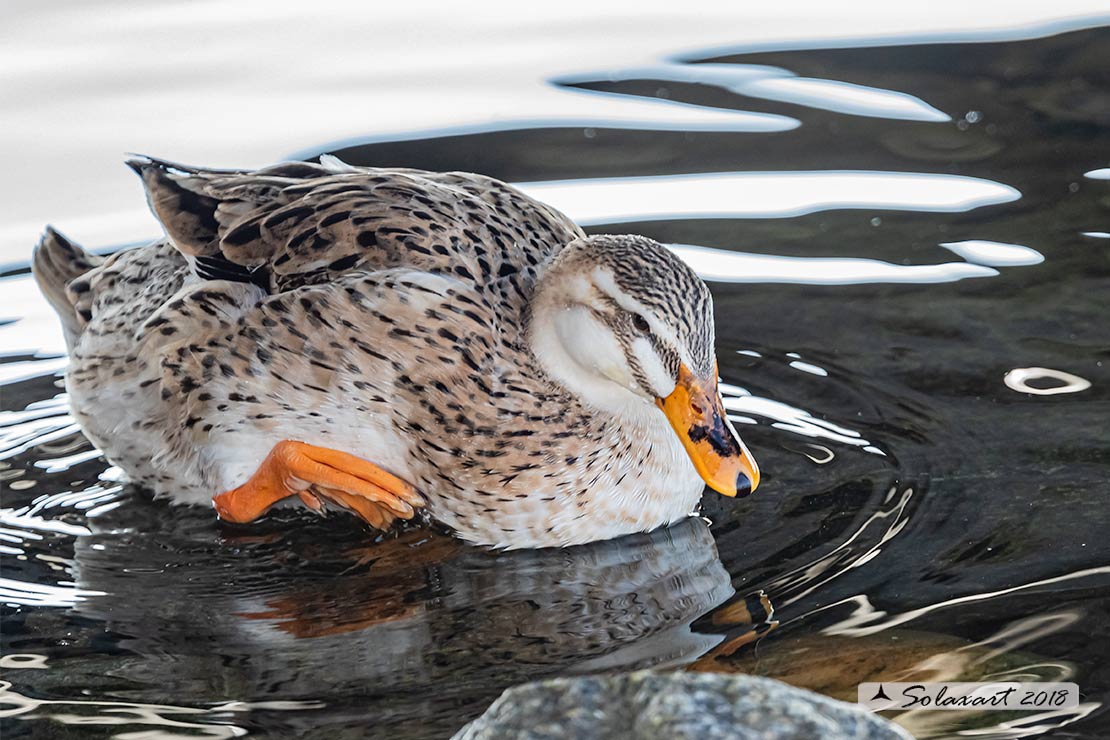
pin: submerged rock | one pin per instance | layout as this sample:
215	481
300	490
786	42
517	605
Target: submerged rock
647	705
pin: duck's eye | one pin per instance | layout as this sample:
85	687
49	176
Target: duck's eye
640	323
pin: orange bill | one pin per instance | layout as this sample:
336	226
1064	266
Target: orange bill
697	414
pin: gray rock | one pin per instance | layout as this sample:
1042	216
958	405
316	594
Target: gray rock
663	706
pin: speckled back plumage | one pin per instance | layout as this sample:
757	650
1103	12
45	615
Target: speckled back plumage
377	311
298	223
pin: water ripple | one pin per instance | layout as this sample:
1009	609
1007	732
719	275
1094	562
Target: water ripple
727	266
613	200
165	721
1019	379
994	254
774	83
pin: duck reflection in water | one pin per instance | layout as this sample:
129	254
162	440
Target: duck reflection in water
421	621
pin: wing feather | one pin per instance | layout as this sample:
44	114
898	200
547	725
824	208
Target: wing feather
300	223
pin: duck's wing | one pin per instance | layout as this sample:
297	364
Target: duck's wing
300	223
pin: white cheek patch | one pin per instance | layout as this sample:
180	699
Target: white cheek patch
662	382
592	345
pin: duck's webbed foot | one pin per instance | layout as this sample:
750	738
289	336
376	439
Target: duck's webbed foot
316	474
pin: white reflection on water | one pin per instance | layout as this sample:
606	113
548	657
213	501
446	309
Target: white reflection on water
23	525
864	543
85	82
784	194
1019	380
867	620
12	372
40	594
775	83
720	265
995	254
790	418
23	661
612	200
165	722
654	113
20	431
808	367
27	323
23	521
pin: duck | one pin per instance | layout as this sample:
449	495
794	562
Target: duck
387	341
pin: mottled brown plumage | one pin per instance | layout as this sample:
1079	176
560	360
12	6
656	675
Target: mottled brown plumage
443	325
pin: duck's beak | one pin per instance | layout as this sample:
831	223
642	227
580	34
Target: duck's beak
697	414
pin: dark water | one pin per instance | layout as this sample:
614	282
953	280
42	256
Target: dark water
922	516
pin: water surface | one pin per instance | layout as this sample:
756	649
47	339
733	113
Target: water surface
907	249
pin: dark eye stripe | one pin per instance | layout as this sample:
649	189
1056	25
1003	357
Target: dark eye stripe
609	301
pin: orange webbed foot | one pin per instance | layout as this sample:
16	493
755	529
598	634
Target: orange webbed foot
315	474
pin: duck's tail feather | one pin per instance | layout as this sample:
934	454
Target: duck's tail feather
176	194
57	264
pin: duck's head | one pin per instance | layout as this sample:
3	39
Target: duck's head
626	326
